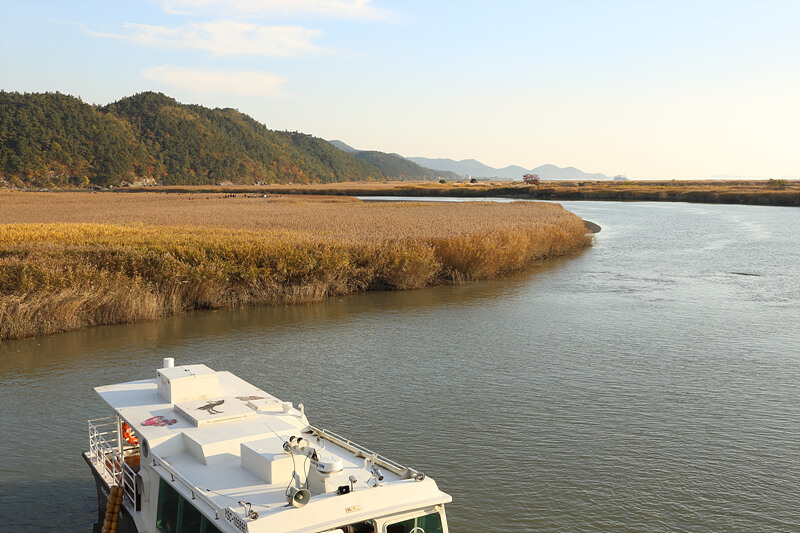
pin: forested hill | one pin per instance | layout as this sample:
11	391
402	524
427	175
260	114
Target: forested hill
400	167
52	139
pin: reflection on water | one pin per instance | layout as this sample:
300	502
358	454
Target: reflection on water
639	386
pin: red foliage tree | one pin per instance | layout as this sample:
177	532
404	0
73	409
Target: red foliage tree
531	179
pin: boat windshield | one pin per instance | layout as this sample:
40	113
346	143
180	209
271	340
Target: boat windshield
429	523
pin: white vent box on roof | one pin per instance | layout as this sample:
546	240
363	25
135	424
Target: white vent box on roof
267	460
187	383
266	404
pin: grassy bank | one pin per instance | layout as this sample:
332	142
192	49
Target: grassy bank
74	260
770	192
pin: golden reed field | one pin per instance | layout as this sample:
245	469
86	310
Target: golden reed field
75	259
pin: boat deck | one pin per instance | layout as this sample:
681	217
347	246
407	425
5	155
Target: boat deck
236	450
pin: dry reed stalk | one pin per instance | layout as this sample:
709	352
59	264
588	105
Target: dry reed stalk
60	276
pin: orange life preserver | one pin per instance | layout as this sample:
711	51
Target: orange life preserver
128	435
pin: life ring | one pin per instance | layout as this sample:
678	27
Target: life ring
128	435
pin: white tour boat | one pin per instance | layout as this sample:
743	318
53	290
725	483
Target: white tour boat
193	450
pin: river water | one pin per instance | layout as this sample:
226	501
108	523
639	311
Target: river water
651	383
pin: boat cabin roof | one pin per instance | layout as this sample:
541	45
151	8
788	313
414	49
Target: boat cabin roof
236	450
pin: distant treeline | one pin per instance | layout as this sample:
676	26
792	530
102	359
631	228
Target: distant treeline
778	192
57	140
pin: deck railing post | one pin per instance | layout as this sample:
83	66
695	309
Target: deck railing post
103	452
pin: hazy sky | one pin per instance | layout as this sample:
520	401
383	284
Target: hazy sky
647	88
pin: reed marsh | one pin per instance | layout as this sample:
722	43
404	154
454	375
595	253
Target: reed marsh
69	260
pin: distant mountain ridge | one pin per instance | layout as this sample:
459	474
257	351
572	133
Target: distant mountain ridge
476	169
450	168
343	146
394	165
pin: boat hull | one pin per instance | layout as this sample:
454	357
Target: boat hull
125	523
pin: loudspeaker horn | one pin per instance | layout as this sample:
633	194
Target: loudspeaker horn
298	497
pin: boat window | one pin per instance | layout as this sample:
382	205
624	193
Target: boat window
176	515
191	519
361	527
168	503
429	523
210	527
367	526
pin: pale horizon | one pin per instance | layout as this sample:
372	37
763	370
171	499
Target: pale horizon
651	90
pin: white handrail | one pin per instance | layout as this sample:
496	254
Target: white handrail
116	470
364	452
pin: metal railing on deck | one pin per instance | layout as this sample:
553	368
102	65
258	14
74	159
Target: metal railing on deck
361	451
108	452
